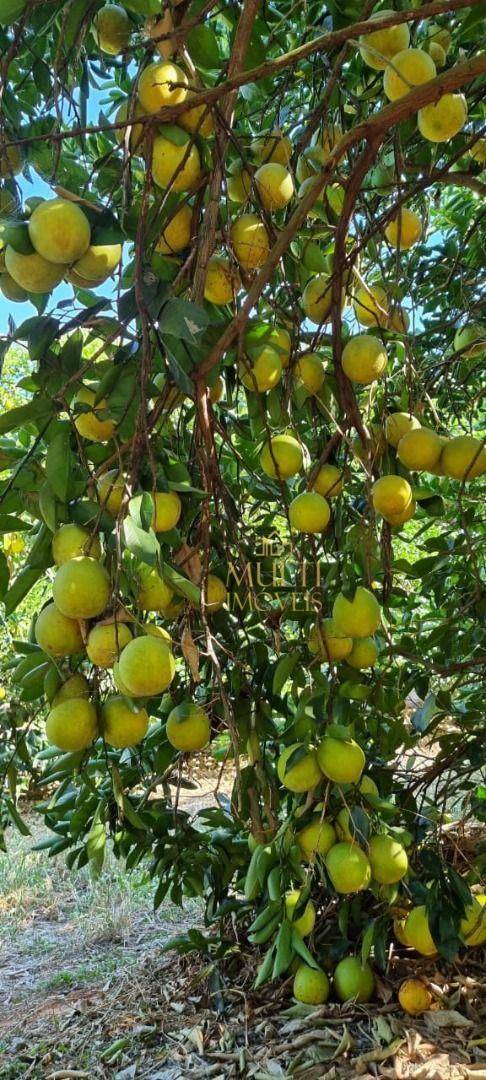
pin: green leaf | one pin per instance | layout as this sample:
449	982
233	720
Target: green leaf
16	819
37	411
203	47
183	319
48	506
301	949
4	574
265	969
96	842
131	814
22	585
59	463
367	941
144	545
181	584
283	670
422	716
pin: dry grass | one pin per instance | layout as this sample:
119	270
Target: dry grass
86	992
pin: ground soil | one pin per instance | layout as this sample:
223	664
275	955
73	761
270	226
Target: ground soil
86	991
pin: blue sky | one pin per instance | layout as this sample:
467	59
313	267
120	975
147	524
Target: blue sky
37	186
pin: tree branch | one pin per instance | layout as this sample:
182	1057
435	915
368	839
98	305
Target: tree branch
210	221
373	130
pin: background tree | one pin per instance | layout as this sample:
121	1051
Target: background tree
241	446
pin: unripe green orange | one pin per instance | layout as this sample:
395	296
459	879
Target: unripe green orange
364	358
329	481
72	725
353	981
11	290
471	338
72	540
348	868
366	785
146	666
188	727
305	923
309	513
282	456
311	985
441	121
111	29
359	617
81	588
309	370
57	634
250	241
106	641
123	724
388	860
168	509
157	86
398	424
341	760
316	838
342	825
363	654
304	775
89	425
59	231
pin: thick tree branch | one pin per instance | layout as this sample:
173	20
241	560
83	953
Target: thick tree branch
325	43
210	220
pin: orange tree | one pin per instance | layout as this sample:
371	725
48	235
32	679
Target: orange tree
245	458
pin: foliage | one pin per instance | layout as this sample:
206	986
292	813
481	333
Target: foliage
152	348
